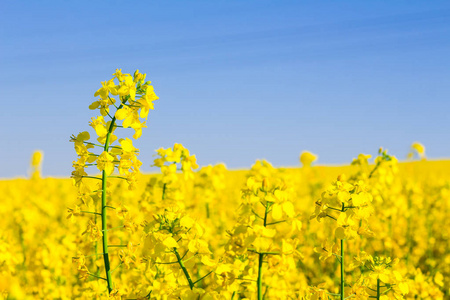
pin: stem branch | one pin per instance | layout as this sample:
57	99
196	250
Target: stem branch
185	271
104	219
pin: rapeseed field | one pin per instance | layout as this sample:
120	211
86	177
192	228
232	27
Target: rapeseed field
374	229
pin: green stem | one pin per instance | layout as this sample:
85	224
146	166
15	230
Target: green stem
374	169
164	192
277	222
342	270
90	212
261	260
104	220
198	280
92	177
97	270
207	210
185	271
258	216
93	275
332	217
378	289
105	234
119	177
116	268
259	281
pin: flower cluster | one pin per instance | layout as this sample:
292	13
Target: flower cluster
136	97
378	278
266	231
169	158
349	205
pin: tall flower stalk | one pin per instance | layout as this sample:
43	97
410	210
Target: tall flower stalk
135	97
266	229
348	204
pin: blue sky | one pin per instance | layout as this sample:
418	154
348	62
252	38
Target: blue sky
237	80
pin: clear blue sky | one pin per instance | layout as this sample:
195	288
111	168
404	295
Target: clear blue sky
237	80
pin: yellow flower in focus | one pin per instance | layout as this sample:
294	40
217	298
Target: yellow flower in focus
146	102
105	163
127	145
380	272
326	250
99	126
95	234
72	212
107	87
119	75
127	87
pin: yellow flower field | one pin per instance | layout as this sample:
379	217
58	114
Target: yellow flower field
375	230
